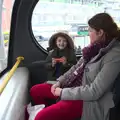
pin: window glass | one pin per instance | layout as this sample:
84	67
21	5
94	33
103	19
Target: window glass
4	40
71	16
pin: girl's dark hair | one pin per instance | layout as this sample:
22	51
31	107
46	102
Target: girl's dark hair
52	40
105	22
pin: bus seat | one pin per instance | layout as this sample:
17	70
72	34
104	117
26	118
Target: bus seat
15	96
38	73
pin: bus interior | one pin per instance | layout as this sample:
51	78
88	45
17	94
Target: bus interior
31	23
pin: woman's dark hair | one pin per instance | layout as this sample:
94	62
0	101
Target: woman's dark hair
105	22
52	41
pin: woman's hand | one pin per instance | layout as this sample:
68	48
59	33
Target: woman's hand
54	87
58	91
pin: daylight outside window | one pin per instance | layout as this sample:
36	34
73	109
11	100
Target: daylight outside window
4	40
71	16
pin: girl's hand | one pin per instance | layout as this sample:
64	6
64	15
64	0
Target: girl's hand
64	60
53	62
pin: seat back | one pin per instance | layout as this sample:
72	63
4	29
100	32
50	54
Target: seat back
15	96
38	73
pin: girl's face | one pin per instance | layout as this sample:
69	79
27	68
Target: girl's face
61	43
95	35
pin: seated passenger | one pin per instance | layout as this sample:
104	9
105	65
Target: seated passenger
85	90
61	56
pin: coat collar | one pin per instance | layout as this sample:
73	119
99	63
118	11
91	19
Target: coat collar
104	50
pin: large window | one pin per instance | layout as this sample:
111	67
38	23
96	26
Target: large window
5	27
71	16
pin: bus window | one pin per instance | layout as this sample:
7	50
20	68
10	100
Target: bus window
5	24
6	38
51	16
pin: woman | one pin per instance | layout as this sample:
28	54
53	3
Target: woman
88	84
98	70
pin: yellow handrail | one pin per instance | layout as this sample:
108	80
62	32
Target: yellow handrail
10	74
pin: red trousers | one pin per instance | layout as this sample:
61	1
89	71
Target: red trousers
62	110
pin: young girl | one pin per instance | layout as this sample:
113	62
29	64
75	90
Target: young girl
61	55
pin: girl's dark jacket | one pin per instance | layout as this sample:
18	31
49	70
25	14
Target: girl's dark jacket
59	69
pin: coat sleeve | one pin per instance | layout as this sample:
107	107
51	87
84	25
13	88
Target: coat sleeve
48	64
103	81
71	60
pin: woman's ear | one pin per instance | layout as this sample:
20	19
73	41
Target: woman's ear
100	33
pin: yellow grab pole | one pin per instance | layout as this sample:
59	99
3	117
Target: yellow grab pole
10	74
